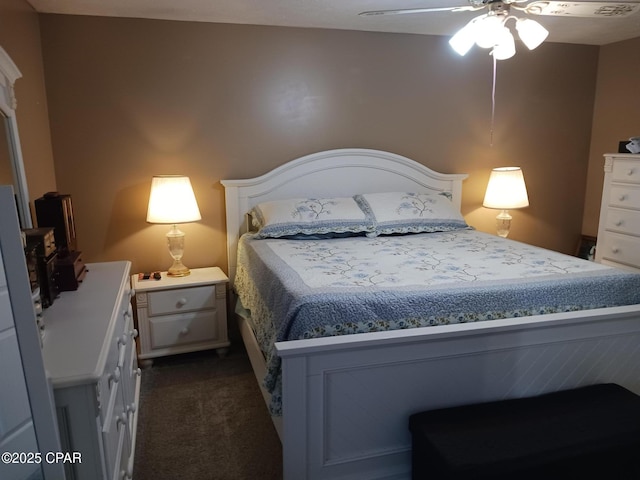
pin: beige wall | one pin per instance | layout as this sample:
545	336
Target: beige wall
616	117
20	38
132	98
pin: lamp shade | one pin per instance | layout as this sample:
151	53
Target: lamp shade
172	200
506	189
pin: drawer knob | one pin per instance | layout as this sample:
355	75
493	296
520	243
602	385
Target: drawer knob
121	420
184	331
615	249
619	223
631	171
115	376
622	198
182	302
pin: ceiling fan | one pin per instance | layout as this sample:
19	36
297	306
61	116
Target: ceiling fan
490	31
575	9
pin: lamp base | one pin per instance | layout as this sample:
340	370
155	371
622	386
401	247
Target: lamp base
503	223
178	269
175	242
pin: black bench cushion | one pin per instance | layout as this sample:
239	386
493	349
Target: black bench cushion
588	424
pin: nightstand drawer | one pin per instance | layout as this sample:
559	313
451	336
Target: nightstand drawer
174	330
181	300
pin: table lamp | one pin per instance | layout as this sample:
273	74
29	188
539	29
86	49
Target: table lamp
506	190
172	201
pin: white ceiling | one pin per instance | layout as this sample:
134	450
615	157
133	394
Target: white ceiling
339	14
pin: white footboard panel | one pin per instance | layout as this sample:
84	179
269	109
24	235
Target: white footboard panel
347	400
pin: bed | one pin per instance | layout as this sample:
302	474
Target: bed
346	398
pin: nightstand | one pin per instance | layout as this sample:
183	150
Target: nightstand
182	314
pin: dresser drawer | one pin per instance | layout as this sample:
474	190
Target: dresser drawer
173	330
624	196
181	300
627	171
620	248
623	221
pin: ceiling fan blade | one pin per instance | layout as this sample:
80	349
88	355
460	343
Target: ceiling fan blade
462	8
581	9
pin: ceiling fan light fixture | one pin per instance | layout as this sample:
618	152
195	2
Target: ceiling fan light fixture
464	39
531	32
488	31
505	47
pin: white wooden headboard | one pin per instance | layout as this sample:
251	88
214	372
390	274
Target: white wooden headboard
342	172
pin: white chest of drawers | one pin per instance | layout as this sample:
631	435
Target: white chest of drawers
619	228
182	314
89	352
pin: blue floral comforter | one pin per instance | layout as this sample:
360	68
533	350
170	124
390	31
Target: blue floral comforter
297	289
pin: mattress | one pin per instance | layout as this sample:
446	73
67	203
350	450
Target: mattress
298	289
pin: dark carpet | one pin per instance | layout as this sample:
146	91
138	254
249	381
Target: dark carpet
203	417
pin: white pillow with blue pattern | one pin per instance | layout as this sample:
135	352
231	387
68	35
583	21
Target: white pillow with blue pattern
403	212
311	218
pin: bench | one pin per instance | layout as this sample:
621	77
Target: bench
588	432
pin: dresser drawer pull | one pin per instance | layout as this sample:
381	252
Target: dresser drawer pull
631	171
115	376
111	406
126	475
622	198
121	353
615	249
131	409
619	223
182	302
121	420
184	331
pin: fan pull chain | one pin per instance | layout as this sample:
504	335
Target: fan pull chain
493	99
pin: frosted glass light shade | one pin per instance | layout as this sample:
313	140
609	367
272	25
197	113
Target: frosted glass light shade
172	200
531	32
505	46
465	38
488	31
506	189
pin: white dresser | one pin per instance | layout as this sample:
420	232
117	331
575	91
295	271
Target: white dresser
90	354
619	228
